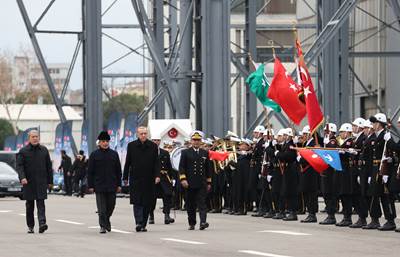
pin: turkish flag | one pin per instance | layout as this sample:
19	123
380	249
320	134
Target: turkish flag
285	92
218	156
314	113
314	160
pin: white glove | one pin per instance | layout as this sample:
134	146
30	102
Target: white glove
358	180
326	140
259	175
352	151
298	158
276	152
387	136
369	180
295	139
341	151
274	143
385	178
173	182
269	177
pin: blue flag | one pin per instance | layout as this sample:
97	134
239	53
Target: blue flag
331	157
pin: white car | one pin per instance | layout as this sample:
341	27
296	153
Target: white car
9	182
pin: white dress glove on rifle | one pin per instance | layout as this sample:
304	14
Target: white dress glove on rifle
295	139
298	158
358	180
369	180
326	140
269	178
385	178
276	153
274	143
387	136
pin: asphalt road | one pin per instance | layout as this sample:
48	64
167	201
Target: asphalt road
73	231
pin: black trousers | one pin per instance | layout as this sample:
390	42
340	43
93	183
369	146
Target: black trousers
311	202
68	184
331	203
105	207
360	203
141	213
347	205
265	200
278	205
41	212
167	203
196	198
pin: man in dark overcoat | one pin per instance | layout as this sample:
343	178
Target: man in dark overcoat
36	175
65	166
104	178
142	169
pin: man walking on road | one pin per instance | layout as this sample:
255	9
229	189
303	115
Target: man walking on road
36	176
104	178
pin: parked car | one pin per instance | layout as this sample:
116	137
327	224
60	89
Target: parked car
9	181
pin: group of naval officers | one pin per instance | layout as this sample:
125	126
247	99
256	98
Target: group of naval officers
269	178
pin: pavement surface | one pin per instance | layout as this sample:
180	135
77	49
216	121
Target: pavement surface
73	231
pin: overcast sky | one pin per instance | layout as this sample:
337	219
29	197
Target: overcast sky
66	15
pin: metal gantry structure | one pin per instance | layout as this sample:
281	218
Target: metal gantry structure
189	46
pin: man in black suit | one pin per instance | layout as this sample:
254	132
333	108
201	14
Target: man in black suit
195	177
142	168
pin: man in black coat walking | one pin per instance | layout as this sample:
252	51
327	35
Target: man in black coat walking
195	177
36	175
142	168
104	178
79	170
65	166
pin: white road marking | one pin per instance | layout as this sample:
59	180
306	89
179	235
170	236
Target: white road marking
285	232
24	215
113	230
183	241
70	222
261	253
5	211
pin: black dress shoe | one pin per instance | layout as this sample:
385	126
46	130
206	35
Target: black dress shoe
330	220
374	224
258	214
30	231
279	216
204	225
388	226
143	229
311	218
138	228
344	223
191	227
361	222
151	221
102	230
291	217
43	228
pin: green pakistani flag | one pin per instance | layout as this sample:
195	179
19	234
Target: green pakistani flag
259	86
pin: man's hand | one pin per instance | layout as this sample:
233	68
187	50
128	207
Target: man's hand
91	190
24	181
184	184
157	180
125	182
119	189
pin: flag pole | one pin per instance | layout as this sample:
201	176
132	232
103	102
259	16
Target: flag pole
323	148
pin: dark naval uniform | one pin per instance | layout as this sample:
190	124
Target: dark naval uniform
309	186
194	168
164	189
254	186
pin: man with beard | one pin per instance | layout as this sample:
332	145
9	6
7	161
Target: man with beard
142	169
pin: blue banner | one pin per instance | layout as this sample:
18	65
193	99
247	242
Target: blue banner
10	143
20	140
331	157
84	138
67	138
113	128
58	145
129	135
